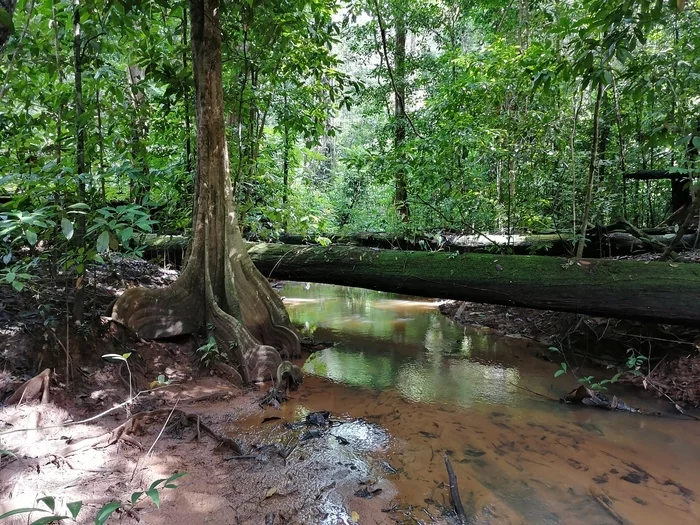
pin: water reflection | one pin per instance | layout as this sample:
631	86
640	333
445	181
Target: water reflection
384	341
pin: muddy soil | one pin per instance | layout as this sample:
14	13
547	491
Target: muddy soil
316	483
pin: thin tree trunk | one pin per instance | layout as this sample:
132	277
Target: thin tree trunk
79	305
591	172
401	192
186	97
101	146
139	188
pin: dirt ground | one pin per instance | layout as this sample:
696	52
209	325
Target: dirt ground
284	477
316	483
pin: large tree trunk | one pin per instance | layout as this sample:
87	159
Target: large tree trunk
219	289
654	292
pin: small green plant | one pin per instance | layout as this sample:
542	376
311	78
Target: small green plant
103	514
633	364
161	380
209	351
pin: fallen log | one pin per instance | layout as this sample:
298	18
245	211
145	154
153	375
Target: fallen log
604	241
644	291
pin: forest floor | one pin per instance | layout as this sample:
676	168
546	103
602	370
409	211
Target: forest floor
323	480
87	462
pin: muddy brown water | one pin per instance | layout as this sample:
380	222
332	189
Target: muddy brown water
412	387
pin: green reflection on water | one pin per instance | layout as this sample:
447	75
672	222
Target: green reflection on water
385	341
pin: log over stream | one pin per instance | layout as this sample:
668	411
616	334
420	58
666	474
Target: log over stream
658	292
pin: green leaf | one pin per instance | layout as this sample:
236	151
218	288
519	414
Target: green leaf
18	285
31	237
106	511
7	258
10	277
564	367
48	519
19	511
67	228
169	482
103	242
153	493
135	497
156	483
49	501
74	508
559	372
126	234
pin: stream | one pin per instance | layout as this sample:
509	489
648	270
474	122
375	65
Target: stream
421	387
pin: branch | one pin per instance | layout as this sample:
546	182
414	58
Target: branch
382	32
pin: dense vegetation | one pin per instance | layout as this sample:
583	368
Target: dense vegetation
343	116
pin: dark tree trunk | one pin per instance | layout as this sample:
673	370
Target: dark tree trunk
219	289
79	304
401	192
591	171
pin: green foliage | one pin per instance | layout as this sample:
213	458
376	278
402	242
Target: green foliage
103	513
633	365
209	351
500	101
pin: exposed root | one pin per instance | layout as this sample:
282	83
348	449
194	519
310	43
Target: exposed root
134	424
36	389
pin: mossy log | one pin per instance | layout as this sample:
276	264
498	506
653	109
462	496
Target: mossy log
644	291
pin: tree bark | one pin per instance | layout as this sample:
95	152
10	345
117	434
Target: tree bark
139	188
401	191
219	289
79	238
652	292
591	171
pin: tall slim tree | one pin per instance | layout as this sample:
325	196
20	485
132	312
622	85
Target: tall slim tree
401	192
219	289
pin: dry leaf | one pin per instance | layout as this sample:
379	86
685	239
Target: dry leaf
584	263
674	265
354	516
271	492
644	383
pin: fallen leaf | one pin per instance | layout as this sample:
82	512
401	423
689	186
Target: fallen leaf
271	492
354	516
674	265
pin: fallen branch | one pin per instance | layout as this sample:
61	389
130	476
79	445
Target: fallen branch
605	502
454	494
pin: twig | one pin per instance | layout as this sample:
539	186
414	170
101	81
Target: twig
529	391
454	494
148	454
382	32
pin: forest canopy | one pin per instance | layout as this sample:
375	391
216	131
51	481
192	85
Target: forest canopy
369	115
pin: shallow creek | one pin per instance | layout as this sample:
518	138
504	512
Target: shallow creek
416	387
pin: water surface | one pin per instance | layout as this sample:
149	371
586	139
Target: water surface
431	388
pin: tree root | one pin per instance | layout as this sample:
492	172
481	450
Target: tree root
36	389
134	424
